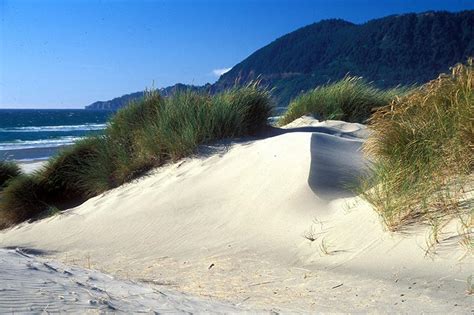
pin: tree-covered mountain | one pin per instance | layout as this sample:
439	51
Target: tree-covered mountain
123	100
395	50
398	49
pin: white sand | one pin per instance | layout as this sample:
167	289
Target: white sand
50	287
230	225
30	167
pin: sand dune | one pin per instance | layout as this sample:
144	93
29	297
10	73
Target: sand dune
234	222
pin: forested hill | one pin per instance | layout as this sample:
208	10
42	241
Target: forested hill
398	49
123	100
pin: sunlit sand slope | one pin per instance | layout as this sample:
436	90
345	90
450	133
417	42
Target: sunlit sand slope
261	224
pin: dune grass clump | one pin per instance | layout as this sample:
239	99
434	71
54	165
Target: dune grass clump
183	124
75	173
422	151
23	197
189	119
59	184
352	99
139	137
125	147
8	171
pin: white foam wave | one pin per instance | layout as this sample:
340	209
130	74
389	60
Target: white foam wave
65	128
34	144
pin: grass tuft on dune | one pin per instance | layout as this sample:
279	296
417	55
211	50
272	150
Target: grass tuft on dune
422	152
23	197
8	171
351	99
139	137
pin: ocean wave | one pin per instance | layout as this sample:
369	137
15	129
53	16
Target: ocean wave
65	128
36	144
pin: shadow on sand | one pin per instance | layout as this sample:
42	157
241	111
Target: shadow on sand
336	158
336	165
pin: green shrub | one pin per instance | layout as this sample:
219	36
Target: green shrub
141	136
8	170
352	99
422	151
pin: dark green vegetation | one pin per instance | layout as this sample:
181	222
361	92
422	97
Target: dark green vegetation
143	135
396	50
122	101
8	170
422	147
351	99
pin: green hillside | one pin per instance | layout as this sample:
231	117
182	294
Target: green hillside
395	50
121	101
398	49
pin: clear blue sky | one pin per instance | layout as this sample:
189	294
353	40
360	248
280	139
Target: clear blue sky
70	53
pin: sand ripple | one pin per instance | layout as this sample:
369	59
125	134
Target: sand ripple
29	284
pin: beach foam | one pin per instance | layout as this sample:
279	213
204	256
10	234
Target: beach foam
65	128
36	144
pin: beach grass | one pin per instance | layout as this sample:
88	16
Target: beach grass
143	135
351	99
8	170
422	150
68	176
23	196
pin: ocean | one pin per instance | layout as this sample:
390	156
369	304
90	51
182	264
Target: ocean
36	134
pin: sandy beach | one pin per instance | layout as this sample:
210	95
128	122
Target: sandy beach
255	225
31	166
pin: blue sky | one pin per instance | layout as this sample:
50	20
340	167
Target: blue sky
68	54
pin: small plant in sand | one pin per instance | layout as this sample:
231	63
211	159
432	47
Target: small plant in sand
325	246
465	230
310	234
434	236
470	285
351	99
422	146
